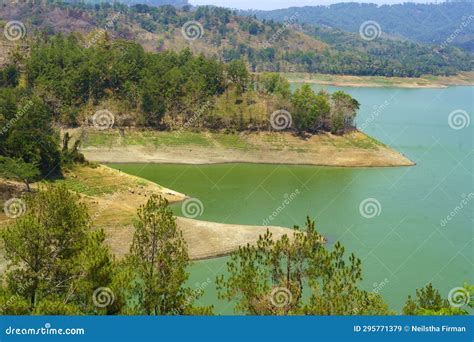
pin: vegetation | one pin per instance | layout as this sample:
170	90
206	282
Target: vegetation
55	260
28	133
270	278
265	45
17	169
159	258
428	302
322	112
424	23
352	55
59	265
165	90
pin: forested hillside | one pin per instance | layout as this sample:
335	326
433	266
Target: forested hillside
220	33
176	3
161	90
447	23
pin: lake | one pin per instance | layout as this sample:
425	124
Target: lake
420	228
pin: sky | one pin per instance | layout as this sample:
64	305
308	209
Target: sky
274	4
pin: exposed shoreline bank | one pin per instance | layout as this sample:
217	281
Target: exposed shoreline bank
352	150
423	82
113	198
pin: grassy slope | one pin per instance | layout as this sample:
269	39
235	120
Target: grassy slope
244	141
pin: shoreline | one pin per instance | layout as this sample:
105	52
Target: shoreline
423	82
114	211
352	150
252	163
120	156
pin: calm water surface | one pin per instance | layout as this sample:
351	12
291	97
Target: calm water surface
406	245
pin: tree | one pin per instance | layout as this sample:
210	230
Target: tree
305	111
269	278
53	256
428	301
159	258
16	168
238	75
33	138
274	83
9	76
343	112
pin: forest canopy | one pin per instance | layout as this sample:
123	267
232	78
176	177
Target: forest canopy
265	45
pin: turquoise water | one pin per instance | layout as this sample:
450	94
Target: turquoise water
407	244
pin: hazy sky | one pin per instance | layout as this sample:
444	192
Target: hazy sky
274	4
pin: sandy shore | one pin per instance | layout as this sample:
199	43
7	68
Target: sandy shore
322	150
204	239
114	212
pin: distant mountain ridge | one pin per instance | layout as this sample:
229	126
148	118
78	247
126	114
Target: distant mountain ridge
444	23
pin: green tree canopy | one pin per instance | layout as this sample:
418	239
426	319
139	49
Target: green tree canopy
270	278
17	169
159	258
53	257
428	302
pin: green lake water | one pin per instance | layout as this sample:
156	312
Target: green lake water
406	245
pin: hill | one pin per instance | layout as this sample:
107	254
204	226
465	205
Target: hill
264	45
176	3
447	23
